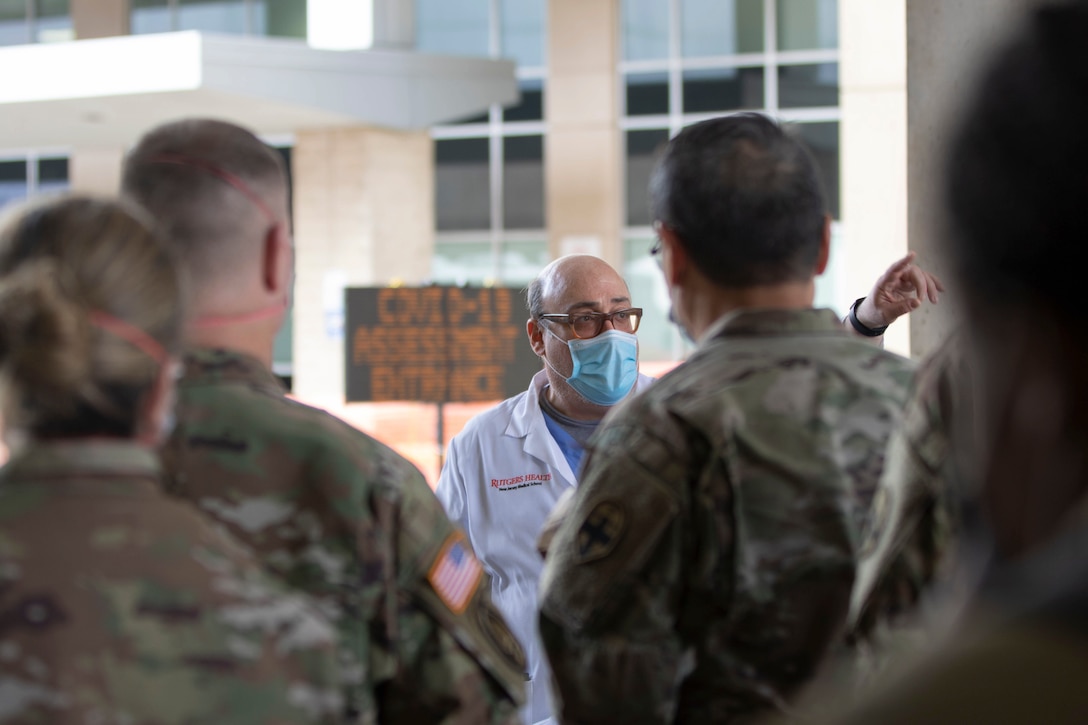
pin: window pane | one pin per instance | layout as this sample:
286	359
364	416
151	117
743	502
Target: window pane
523	23
823	140
656	335
12	181
647	94
53	23
645	29
150	16
280	18
721	27
462	184
478	118
531	105
287	154
219	16
521	262
642	148
722	89
14	28
523	182
803	86
462	262
52	175
456	27
807	24
283	354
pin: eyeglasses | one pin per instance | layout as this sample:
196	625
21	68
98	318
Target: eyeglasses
589	324
655	250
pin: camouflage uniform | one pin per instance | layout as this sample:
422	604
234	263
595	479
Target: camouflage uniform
341	516
917	515
1017	654
120	605
707	562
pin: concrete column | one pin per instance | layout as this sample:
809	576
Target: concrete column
363	215
583	159
395	24
946	39
99	18
873	76
95	171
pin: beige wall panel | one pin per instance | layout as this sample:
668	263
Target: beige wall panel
99	18
583	98
583	187
946	39
95	171
582	153
363	216
582	34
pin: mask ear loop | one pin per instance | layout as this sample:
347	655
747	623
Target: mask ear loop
246	190
130	334
219	173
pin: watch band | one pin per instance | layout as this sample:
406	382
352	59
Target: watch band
859	326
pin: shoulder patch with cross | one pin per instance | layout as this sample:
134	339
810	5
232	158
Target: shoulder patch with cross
601	531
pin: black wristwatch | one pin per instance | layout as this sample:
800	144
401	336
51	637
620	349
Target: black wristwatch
859	326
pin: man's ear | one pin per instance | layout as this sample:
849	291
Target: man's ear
674	258
535	330
276	255
824	254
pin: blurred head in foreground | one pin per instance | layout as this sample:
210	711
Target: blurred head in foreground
90	317
1017	187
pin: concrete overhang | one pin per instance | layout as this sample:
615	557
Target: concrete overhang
107	92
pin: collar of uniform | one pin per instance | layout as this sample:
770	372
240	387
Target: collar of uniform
775	323
86	456
218	365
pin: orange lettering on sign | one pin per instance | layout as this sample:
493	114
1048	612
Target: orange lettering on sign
436	344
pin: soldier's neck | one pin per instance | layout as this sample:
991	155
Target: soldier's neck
715	302
253	342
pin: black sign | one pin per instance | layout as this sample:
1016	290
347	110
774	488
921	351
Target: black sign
436	344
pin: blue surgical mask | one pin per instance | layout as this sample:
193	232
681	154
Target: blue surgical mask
605	367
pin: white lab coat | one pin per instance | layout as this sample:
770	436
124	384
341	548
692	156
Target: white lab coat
502	476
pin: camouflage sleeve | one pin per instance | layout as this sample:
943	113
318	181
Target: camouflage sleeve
153	621
612	588
914	519
457	660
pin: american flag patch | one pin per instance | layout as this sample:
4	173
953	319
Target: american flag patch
455	574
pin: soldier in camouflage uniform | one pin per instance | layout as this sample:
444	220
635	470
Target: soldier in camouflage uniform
918	506
1014	186
707	562
334	512
119	604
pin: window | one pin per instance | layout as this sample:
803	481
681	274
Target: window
710	28
683	61
686	60
453	27
13	181
489	169
462	184
26	177
52	22
221	16
642	148
283	18
658	338
37	21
